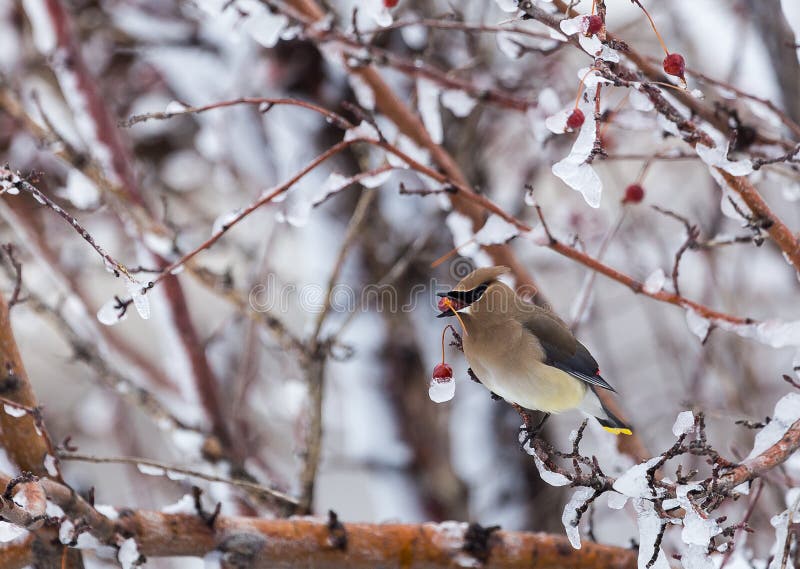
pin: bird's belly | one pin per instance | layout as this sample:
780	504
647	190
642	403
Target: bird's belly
538	386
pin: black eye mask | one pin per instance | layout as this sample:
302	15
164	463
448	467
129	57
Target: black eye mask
467	297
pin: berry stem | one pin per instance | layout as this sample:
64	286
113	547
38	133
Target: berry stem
653	24
670	85
594	6
443	333
457	315
582	85
643	172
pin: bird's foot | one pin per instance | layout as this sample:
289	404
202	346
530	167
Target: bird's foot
529	432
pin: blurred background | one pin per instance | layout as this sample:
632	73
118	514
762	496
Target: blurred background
210	353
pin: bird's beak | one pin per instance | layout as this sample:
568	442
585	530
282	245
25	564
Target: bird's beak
449	303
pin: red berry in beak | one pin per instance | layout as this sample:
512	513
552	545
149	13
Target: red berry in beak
446	304
442	372
674	64
592	24
633	194
575	119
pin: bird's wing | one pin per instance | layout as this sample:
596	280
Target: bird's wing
561	349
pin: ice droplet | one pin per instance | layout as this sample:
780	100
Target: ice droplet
363	130
13	411
684	423
442	391
175	107
570	519
140	301
109	314
698	325
655	282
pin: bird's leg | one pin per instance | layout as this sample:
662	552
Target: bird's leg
530	432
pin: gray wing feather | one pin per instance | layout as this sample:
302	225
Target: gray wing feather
562	350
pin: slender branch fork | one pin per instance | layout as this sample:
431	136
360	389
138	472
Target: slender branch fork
461	189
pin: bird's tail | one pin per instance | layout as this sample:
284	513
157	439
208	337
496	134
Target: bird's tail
612	424
592	406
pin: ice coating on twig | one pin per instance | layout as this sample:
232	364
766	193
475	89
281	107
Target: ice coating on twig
570	516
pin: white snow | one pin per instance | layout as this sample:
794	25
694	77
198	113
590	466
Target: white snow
66	531
428	103
109	314
508	44
363	130
51	465
698	325
363	92
507	5
150	470
80	190
458	102
128	553
684	423
633	483
441	391
569	517
460	227
183	506
377	180
787	411
13	411
496	231
616	501
10	532
655	282
265	26
107	510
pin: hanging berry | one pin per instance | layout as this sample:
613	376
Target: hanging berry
575	119
675	65
633	194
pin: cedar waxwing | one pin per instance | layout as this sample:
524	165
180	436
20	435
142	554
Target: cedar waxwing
523	353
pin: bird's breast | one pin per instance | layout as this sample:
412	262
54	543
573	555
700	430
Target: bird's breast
511	366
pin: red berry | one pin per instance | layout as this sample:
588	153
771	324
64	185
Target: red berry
390	3
633	194
674	64
575	119
592	24
442	372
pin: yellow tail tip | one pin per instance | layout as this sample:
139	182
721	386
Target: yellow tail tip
618	430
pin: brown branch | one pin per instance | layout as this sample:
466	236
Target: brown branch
17	554
307	542
25	438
